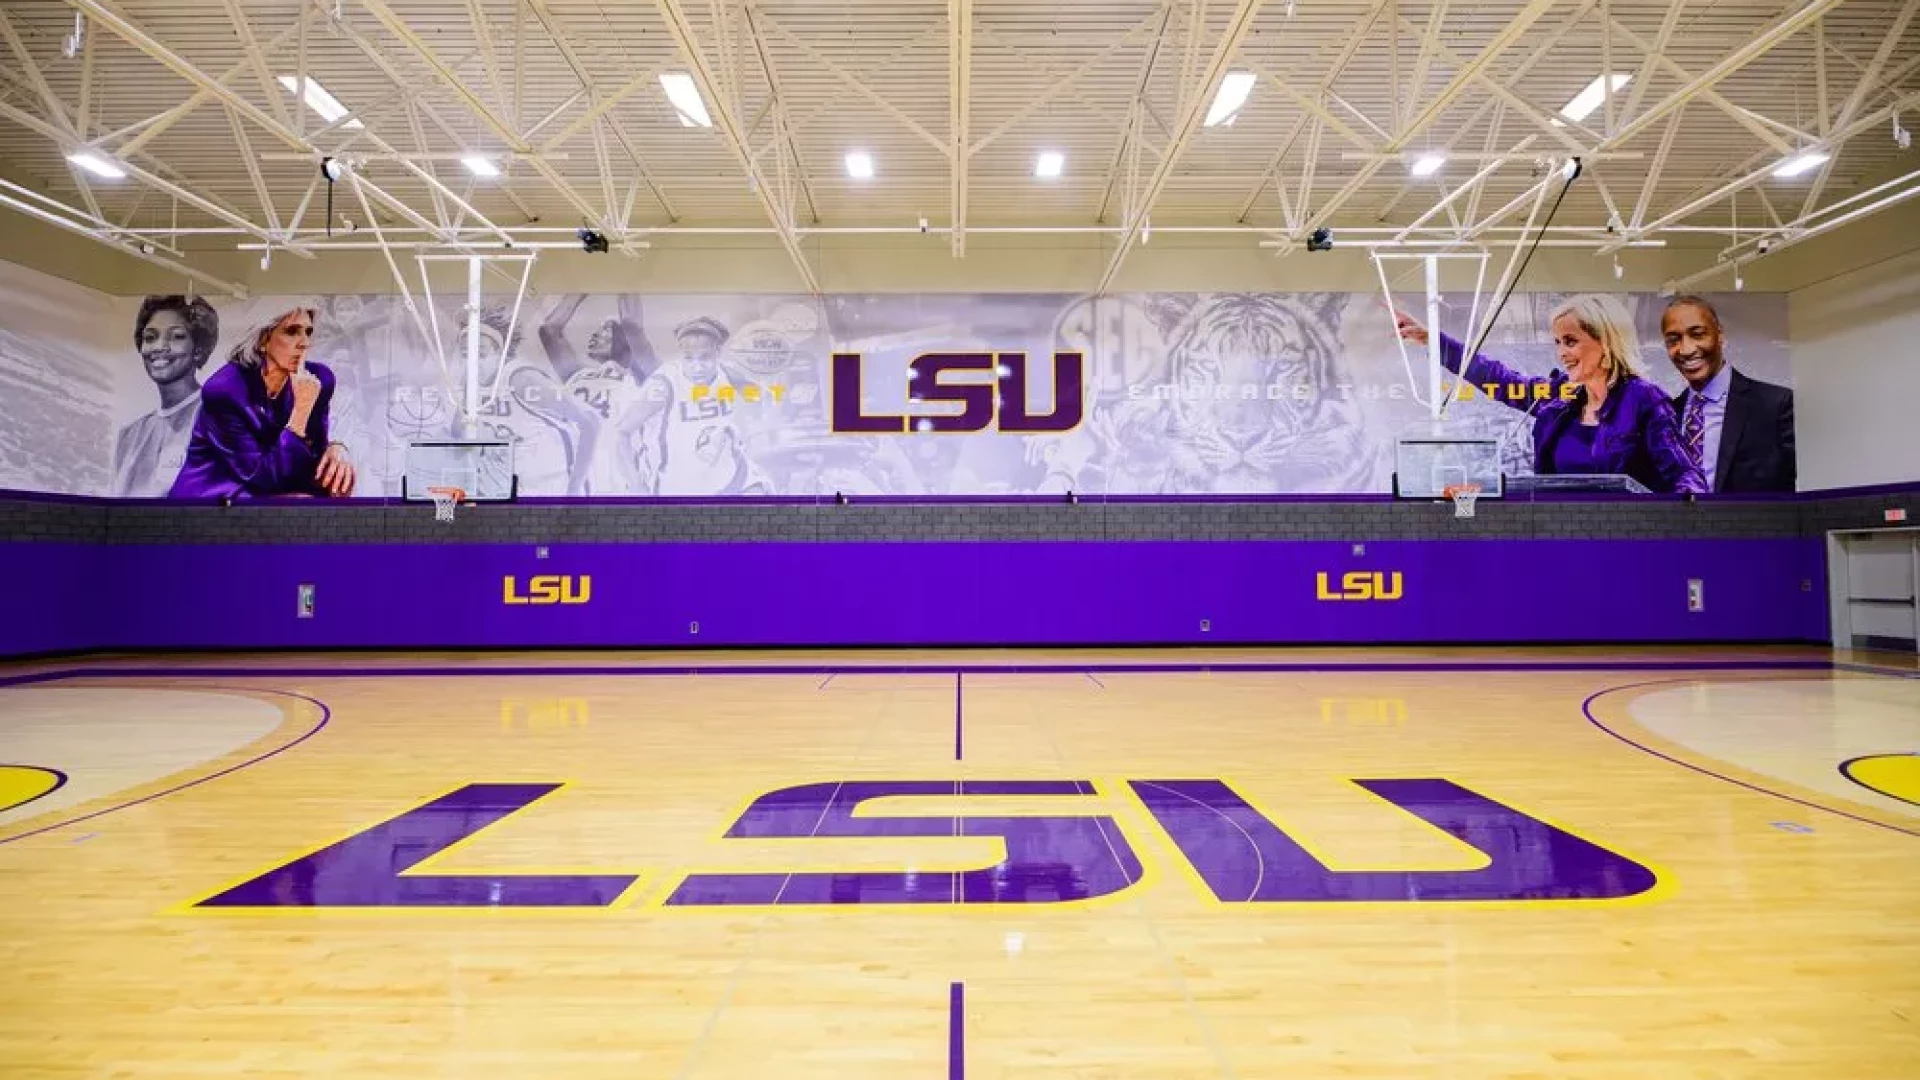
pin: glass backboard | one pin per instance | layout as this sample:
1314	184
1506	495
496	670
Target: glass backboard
1426	465
481	468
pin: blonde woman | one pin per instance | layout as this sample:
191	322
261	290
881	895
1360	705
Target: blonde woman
262	429
1599	413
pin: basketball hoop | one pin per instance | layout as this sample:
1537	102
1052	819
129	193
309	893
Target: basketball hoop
444	500
1463	496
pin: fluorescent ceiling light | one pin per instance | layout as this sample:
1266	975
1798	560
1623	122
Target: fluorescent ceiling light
1800	163
686	99
1428	164
1233	94
859	166
320	101
1049	165
98	165
480	166
1587	100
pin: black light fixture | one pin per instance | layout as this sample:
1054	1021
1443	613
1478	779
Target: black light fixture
332	170
1320	240
590	241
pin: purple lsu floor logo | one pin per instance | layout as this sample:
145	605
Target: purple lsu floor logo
1240	855
1001	403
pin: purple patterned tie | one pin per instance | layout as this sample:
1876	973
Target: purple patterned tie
1695	429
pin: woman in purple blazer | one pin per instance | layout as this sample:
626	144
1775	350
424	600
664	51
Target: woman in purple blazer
262	429
1601	414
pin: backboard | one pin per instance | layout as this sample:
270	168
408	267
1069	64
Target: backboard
481	468
1426	465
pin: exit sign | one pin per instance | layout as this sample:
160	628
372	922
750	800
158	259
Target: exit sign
1898	513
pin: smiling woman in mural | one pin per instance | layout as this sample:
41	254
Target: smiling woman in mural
1598	413
262	429
175	337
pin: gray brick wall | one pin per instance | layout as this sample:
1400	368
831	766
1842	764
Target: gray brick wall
147	523
49	522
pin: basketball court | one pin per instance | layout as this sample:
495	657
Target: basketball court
804	540
1090	864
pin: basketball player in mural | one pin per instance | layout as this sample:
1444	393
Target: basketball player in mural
552	433
618	358
680	435
175	337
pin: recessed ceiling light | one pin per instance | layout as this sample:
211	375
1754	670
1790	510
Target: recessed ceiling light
97	165
480	166
686	99
320	101
860	165
1587	100
1050	164
1233	94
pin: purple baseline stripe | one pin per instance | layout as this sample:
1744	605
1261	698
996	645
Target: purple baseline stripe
957	676
912	669
956	1033
326	714
1586	707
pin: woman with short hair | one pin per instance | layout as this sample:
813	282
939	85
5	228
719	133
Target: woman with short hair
1598	413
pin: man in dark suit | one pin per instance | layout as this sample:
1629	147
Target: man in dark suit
1739	429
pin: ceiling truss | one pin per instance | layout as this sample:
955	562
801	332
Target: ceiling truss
953	100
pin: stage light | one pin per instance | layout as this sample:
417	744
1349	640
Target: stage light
1320	240
591	241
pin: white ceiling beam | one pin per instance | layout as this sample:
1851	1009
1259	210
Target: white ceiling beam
1038	101
485	115
847	78
1737	114
729	127
1895	34
959	94
1354	40
777	102
1139	96
1239	24
101	232
1471	71
1733	187
558	36
49	100
1763	43
256	59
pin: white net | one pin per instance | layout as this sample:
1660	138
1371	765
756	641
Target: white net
444	502
1463	497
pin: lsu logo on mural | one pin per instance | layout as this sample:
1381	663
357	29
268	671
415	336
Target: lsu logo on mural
549	589
999	404
1360	585
1079	852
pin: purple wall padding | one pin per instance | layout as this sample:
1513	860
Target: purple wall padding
828	594
52	600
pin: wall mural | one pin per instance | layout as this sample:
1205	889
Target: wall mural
628	395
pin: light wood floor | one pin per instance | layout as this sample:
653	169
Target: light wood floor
1775	933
